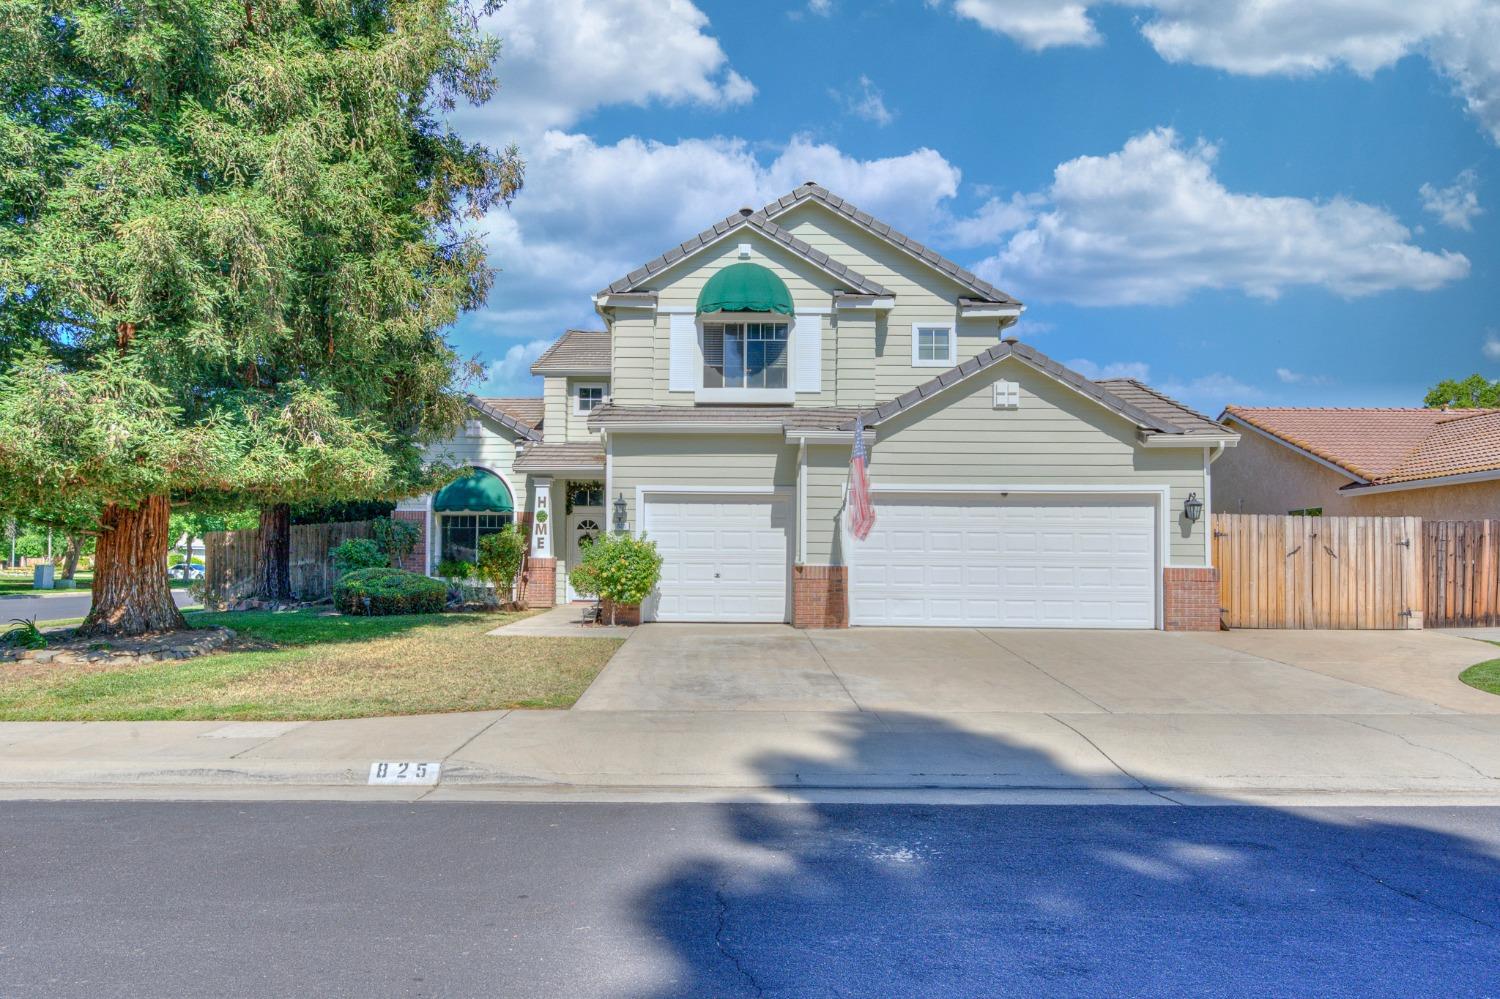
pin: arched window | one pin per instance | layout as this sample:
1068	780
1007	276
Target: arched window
469	508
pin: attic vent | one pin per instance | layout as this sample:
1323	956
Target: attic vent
1007	395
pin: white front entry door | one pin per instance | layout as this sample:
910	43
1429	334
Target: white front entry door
725	557
585	524
1022	561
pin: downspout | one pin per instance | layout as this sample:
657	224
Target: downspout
802	502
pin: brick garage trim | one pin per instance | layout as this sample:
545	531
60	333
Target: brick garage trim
540	589
416	559
1190	599
820	596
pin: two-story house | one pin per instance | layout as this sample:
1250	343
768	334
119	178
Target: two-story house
715	413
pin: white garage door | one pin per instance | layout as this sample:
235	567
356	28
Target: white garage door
724	558
1017	562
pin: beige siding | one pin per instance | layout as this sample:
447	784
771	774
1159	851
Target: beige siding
922	295
555	409
713	460
854	346
1262	476
632	338
827	474
1056	437
578	423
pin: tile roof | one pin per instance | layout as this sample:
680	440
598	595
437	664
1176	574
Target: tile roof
635	280
815	191
1157	404
522	416
1154	412
546	457
576	351
1381	446
751	417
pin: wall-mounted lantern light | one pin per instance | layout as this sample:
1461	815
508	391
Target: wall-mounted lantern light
1192	509
620	514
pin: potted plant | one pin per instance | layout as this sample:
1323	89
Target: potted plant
623	570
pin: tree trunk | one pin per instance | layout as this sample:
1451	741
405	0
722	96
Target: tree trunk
70	555
131	595
275	563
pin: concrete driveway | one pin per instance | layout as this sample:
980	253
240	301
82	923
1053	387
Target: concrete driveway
944	671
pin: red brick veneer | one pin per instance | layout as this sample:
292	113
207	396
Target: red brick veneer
540	586
1191	599
416	559
820	596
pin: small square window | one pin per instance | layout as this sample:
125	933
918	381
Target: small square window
1007	395
932	346
589	397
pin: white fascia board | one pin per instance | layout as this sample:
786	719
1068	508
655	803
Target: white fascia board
1487	475
827	436
571	372
880	302
991	311
553	469
626	300
1187	440
1358	479
760	430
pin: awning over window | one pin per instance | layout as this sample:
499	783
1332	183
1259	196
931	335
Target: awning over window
745	288
477	492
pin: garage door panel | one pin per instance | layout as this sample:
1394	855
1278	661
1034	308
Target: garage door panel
723	559
1007	562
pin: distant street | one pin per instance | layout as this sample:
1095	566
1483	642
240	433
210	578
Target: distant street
650	900
61	607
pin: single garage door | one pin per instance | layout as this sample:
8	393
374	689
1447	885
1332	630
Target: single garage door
1007	562
724	558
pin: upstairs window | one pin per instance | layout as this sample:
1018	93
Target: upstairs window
588	398
745	355
933	346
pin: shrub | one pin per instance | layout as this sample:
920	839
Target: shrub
23	634
455	569
358	553
174	558
397	538
389	591
623	569
500	556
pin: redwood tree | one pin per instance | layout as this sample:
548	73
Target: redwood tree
230	235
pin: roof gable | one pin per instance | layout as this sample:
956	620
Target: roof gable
511	413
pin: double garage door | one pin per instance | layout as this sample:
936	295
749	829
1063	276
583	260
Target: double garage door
1007	562
724	557
934	561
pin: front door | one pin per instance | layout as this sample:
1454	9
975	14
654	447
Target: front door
585	524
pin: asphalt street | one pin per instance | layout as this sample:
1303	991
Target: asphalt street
61	608
653	900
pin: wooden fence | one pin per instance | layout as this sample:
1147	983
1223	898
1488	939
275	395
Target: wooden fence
229	560
1462	569
1319	572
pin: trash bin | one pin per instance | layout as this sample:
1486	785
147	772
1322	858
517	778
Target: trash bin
41	579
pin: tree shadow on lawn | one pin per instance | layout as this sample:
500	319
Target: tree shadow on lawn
868	900
303	628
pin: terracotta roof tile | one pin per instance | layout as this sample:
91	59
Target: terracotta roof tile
1386	445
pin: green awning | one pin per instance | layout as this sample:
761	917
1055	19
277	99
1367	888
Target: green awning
745	288
477	492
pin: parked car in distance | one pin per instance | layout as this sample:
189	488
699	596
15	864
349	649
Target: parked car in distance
183	570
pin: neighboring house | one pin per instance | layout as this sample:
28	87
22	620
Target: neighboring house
1442	464
715	413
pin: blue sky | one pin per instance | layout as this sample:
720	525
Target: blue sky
1285	203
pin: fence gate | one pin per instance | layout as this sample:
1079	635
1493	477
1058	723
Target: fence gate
1463	573
1319	572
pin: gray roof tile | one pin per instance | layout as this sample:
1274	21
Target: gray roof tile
545	457
490	408
581	351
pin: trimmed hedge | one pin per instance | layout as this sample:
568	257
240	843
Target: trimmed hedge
390	591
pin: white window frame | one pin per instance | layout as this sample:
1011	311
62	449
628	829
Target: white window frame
578	388
949	361
749	395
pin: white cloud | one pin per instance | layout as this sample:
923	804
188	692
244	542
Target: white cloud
822	8
1138	370
511	375
1289	377
1212	392
1461	38
1491	348
1151	224
562	59
1036	24
866	101
995	218
1455	205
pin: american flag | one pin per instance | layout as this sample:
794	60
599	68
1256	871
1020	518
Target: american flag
861	510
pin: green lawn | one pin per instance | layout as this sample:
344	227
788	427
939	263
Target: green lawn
12	583
322	667
1485	676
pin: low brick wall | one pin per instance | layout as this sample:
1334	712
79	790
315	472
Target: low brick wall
820	596
1191	599
540	588
416	559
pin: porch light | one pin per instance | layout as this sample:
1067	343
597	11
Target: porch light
620	514
1192	508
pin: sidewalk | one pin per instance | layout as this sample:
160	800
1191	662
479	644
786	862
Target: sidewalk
772	755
